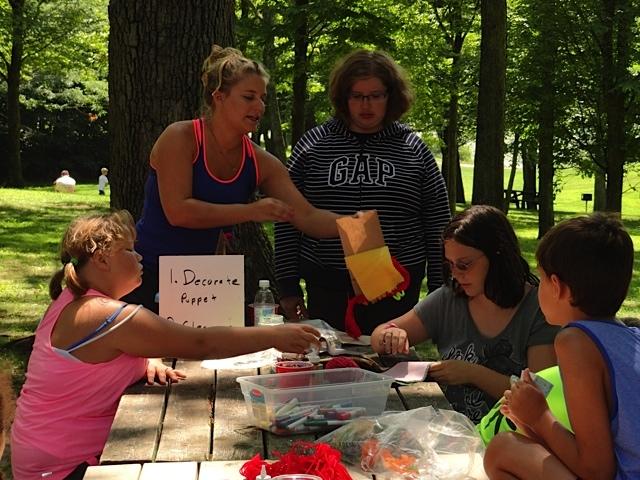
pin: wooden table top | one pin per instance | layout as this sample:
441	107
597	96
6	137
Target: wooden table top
203	423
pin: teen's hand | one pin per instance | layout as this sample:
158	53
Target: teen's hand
271	210
393	340
451	372
294	337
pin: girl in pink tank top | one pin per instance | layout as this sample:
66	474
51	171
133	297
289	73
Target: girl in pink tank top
90	347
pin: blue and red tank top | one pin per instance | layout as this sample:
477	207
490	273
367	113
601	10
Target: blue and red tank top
156	236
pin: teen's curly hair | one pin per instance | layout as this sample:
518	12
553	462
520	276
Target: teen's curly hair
83	238
363	64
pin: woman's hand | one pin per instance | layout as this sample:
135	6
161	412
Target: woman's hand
524	403
294	308
294	337
271	210
158	370
393	340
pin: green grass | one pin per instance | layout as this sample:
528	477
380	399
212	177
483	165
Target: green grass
32	222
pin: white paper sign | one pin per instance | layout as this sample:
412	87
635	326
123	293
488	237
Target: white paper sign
202	290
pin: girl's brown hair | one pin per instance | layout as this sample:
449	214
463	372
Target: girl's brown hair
85	237
222	69
364	64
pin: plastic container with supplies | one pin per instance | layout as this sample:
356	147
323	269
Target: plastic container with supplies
328	399
264	304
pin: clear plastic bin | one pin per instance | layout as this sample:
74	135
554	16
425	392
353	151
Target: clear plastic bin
319	400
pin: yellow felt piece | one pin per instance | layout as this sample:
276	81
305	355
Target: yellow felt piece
374	272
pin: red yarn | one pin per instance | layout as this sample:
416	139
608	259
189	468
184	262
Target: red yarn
350	324
303	457
341	362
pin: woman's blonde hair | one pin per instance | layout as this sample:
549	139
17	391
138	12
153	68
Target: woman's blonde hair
85	237
222	69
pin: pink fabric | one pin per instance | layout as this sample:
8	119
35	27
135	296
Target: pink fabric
66	406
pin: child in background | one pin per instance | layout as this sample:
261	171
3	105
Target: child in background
585	267
90	347
103	181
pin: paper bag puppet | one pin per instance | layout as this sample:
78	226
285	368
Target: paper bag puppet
374	273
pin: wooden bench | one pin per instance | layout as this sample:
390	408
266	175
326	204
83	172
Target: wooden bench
198	429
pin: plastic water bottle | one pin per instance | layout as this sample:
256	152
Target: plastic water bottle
264	304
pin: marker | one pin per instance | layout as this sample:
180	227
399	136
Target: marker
324	423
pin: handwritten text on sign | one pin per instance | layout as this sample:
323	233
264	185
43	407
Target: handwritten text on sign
202	290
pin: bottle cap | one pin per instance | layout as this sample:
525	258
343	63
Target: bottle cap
263	472
263	283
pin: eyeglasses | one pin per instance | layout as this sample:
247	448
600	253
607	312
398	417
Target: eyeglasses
462	266
375	97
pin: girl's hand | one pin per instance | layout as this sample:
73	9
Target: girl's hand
294	337
524	403
394	340
158	370
271	210
451	372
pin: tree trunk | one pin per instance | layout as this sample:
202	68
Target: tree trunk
156	50
14	161
546	117
451	129
277	142
599	190
299	72
615	47
488	172
529	183
251	240
459	185
512	173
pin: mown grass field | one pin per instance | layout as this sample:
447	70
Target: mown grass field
32	222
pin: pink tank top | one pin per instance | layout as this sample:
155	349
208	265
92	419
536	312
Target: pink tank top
66	406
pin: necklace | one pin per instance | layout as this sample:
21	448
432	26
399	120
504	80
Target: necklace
225	162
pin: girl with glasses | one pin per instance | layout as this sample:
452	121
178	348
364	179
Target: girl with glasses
363	159
485	321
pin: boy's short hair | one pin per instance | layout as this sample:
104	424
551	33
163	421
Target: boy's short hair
593	256
104	170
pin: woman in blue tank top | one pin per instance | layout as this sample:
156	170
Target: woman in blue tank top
204	172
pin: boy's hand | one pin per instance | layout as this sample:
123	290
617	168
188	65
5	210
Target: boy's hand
524	403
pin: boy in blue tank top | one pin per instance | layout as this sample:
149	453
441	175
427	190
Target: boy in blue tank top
585	267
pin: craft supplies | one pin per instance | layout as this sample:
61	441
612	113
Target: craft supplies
329	399
304	461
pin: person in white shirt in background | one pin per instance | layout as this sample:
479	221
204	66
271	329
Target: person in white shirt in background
64	183
103	181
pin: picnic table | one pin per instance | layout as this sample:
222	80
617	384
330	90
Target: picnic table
199	429
523	199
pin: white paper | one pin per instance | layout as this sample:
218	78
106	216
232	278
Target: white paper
202	290
409	371
250	360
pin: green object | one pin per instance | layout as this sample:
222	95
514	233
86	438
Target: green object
494	421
